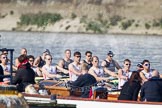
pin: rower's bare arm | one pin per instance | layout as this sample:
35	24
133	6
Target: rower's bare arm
144	79
61	63
6	73
110	72
44	71
160	75
81	62
103	63
62	69
16	62
39	71
71	69
120	75
96	77
36	62
14	67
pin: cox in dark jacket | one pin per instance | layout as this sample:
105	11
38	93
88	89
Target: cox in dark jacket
152	90
131	88
24	75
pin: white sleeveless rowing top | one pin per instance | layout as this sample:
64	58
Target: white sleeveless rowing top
73	76
51	70
148	75
6	68
121	80
99	72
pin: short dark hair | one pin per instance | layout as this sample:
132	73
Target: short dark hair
139	65
135	76
77	53
88	52
4	49
31	56
22	57
127	60
145	61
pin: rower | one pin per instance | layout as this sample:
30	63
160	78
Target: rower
88	59
98	72
75	67
110	63
11	62
64	63
48	70
39	62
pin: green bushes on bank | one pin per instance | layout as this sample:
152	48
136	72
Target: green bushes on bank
127	24
115	19
147	25
39	19
94	26
73	15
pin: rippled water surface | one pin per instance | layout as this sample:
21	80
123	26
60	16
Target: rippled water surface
134	47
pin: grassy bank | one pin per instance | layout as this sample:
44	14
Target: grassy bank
89	16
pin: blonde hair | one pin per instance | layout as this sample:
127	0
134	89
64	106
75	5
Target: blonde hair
155	73
84	66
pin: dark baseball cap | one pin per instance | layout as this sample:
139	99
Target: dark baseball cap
47	51
110	53
139	65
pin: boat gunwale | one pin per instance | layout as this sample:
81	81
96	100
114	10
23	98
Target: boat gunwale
89	99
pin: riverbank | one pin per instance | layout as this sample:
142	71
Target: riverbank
107	16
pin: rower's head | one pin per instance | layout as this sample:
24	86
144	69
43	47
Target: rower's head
146	64
77	56
45	53
95	61
127	63
139	67
67	53
3	58
135	76
4	51
110	55
48	59
22	58
88	55
84	68
155	73
23	51
31	59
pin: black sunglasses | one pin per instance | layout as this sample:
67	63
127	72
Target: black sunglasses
128	64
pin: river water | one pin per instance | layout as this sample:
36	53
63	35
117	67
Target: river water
134	47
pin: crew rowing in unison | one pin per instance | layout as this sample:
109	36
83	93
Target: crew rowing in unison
88	74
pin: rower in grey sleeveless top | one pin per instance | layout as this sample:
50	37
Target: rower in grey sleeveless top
110	63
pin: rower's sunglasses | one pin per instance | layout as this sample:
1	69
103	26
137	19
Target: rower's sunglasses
128	64
147	64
